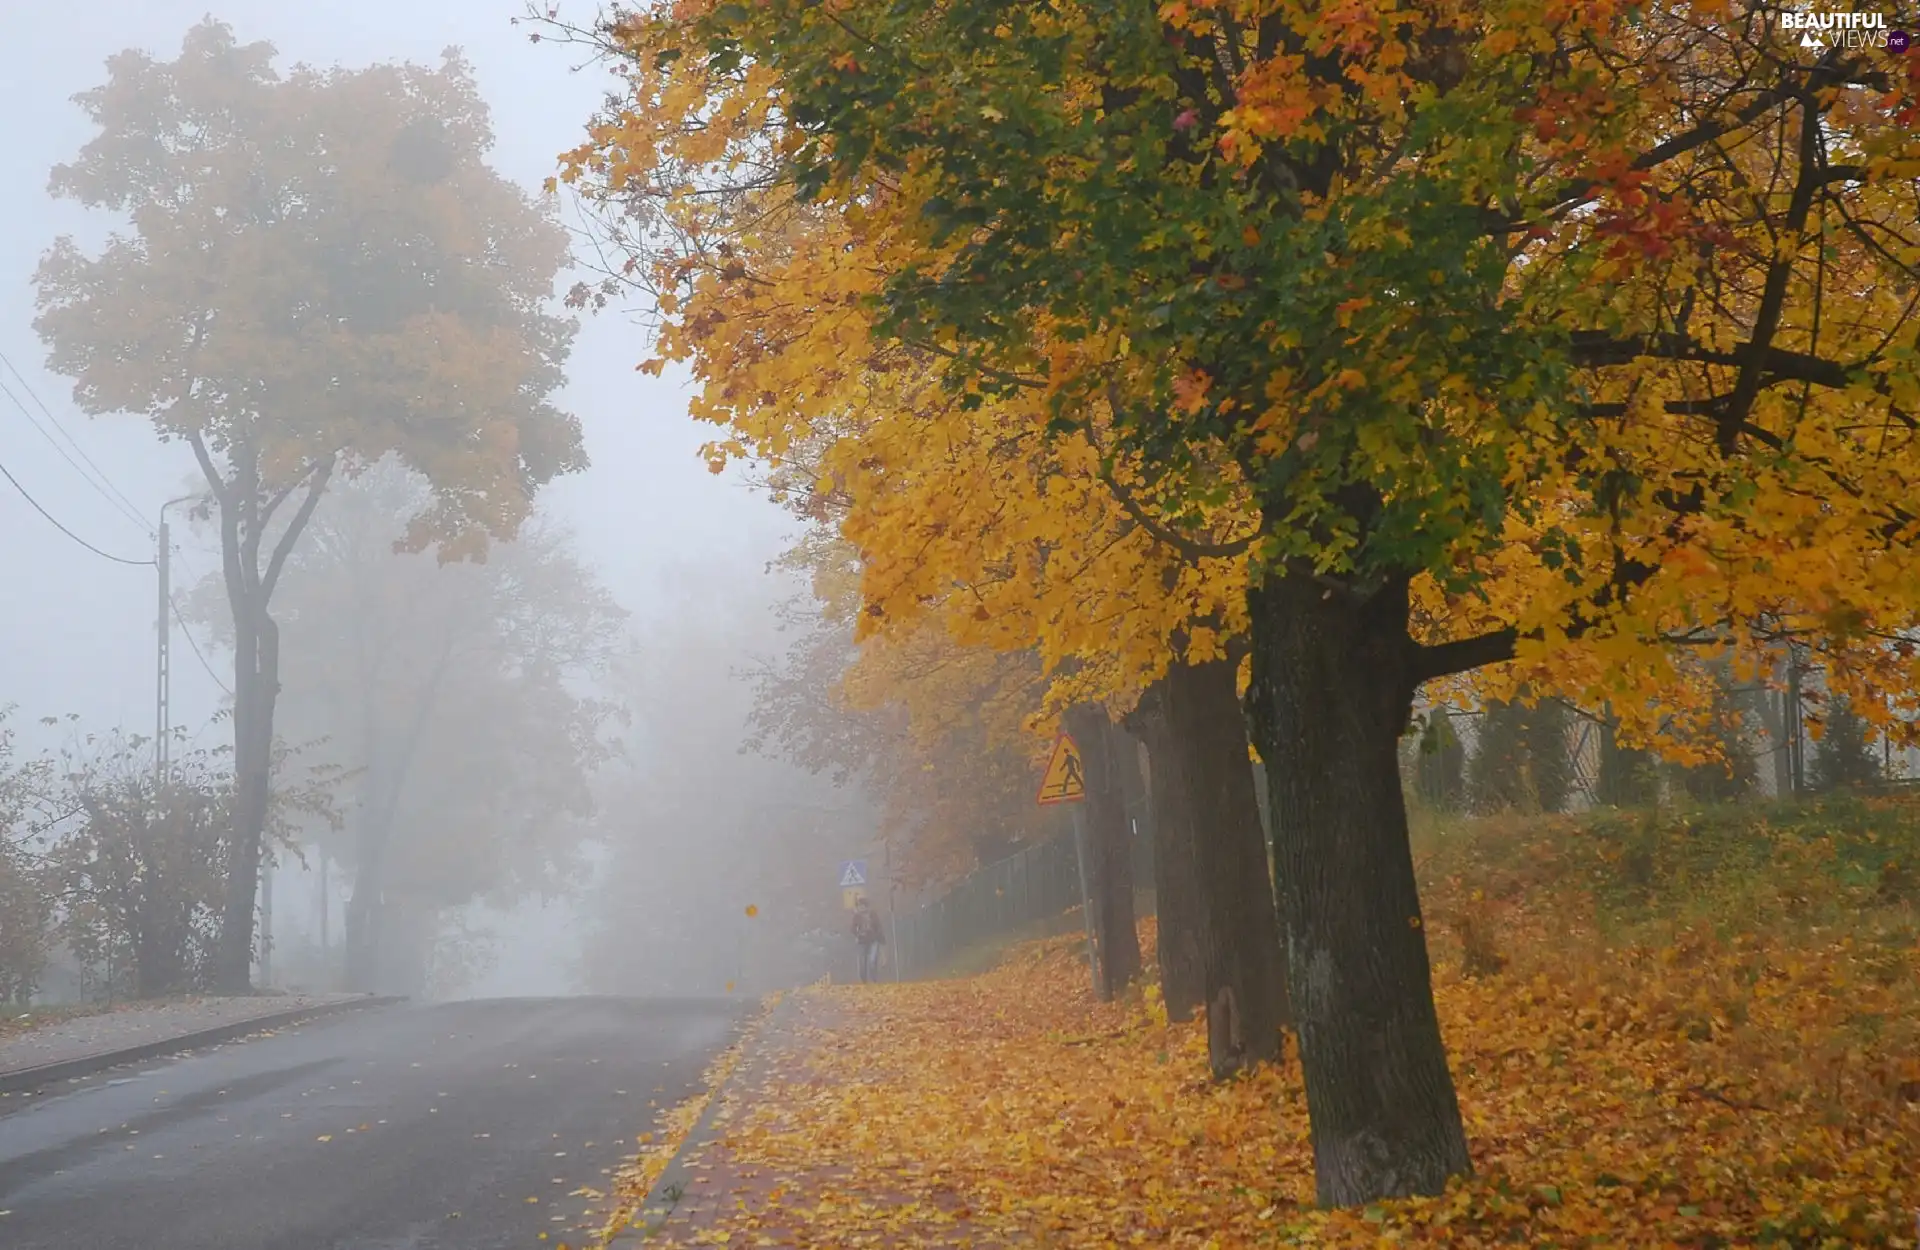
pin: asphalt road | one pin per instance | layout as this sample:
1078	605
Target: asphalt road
453	1125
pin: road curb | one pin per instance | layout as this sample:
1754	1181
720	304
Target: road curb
24	1079
671	1184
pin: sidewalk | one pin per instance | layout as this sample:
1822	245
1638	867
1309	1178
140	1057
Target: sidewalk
760	1169
134	1028
976	1112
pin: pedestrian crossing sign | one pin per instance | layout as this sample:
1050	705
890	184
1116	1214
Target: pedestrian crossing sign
1065	781
853	873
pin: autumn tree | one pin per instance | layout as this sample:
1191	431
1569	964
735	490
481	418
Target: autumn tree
934	731
314	271
457	701
971	523
1603	315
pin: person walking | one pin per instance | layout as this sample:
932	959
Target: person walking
866	931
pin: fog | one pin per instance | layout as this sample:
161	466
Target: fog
634	880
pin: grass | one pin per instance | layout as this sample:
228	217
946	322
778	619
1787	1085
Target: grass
1786	872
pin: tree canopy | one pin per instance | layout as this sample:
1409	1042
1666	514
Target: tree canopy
1538	307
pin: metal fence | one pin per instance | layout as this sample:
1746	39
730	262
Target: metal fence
1033	892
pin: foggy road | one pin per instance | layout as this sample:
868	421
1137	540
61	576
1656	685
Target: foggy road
462	1124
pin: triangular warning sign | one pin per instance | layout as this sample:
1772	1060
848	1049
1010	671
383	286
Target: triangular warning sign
1065	781
853	873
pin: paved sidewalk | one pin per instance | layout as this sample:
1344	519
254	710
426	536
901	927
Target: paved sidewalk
725	1189
141	1024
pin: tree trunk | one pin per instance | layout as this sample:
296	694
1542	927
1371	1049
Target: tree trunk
1333	686
363	931
1246	980
1773	719
256	688
386	778
1176	881
1116	940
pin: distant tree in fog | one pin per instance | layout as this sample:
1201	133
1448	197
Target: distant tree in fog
461	697
311	272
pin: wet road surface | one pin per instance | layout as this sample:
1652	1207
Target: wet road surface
465	1124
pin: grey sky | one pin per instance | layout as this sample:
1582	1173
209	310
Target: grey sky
76	631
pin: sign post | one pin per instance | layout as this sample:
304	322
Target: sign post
853	882
1065	781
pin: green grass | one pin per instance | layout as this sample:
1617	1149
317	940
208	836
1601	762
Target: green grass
1839	863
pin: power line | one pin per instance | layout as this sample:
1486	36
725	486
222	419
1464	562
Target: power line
104	484
190	575
195	647
63	529
73	464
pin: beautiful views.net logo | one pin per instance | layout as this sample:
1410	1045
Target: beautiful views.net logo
1842	30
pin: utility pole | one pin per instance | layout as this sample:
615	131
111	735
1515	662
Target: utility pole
163	674
163	668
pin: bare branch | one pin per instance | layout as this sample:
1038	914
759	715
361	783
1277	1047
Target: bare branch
316	483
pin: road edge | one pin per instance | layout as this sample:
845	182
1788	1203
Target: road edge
659	1201
24	1080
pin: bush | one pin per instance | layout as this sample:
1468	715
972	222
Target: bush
144	873
26	895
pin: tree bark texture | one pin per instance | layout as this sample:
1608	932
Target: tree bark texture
1176	882
1334	676
1246	978
1109	850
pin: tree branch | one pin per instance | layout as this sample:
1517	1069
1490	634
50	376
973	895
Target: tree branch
998	375
1188	547
1766	322
316	483
1830	71
1463	655
1597	348
215	482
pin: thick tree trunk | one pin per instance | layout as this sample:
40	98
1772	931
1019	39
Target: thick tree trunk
1176	881
1109	852
1333	685
1246	980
